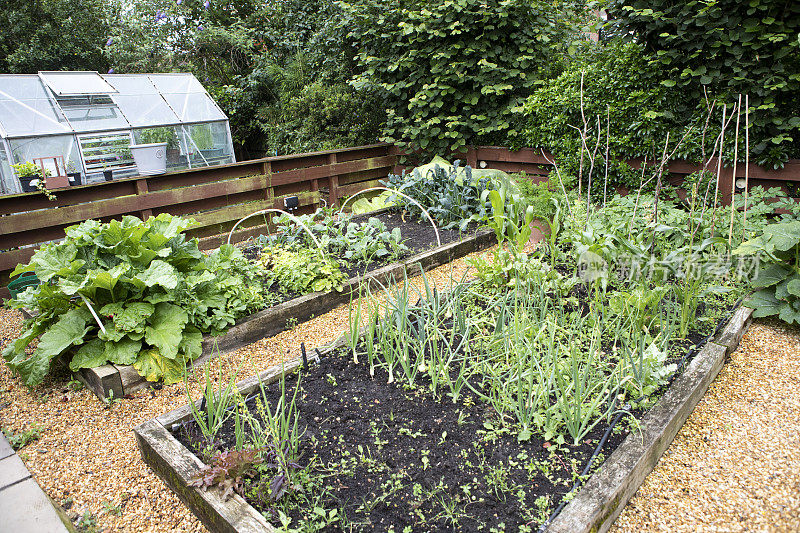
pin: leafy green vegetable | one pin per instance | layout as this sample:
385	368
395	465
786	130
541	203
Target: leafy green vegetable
302	271
155	292
451	196
349	240
778	280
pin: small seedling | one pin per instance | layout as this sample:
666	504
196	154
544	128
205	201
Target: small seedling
20	440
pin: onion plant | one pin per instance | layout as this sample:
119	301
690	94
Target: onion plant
280	425
215	406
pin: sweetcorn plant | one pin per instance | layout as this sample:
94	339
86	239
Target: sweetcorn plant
153	291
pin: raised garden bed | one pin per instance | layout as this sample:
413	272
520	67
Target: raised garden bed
121	380
593	509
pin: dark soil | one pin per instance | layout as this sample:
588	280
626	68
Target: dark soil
395	457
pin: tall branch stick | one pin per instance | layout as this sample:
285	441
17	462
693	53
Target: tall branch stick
719	169
608	142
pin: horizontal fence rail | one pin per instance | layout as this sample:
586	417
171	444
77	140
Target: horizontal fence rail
217	197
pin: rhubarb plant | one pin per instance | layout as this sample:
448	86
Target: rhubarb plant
129	292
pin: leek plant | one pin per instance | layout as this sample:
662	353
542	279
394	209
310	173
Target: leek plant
584	391
215	406
280	429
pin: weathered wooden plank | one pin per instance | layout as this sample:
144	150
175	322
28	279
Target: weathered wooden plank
176	465
236	212
10	259
349	190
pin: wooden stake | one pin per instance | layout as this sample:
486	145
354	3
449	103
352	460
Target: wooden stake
608	141
746	161
733	177
719	168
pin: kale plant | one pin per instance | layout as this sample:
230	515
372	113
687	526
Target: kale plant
153	291
452	200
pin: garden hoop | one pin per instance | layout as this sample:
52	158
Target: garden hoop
321	251
435	229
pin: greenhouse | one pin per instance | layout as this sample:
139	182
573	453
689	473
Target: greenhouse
83	125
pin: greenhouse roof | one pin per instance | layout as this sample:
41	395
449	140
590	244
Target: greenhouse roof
53	103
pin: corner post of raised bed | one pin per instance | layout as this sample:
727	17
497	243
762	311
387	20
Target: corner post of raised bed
141	190
333	180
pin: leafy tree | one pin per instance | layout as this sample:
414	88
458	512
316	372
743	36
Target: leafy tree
451	71
615	88
727	47
53	35
277	69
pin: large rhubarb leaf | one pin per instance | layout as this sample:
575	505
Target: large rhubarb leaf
123	352
90	355
159	273
153	366
134	316
165	331
70	329
192	343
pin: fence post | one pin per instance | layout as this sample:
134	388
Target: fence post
142	188
333	180
472	157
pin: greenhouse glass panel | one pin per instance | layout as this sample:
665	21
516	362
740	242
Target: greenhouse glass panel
27	109
194	107
209	144
92	113
74	83
8	180
176	83
29	148
176	145
140	101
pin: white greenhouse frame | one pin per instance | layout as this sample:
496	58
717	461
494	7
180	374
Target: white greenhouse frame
86	117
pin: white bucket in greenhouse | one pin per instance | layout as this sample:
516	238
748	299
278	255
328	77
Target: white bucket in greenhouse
150	159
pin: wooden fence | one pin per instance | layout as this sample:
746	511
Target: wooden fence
534	164
219	196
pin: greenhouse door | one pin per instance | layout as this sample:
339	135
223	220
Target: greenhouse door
107	151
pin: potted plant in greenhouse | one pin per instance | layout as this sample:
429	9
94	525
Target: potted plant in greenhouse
73	174
204	141
29	175
151	154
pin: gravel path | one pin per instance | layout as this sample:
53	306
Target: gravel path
87	453
735	464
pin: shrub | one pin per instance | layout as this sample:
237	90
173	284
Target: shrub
451	72
152	290
727	47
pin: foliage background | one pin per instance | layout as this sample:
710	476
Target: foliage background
437	75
